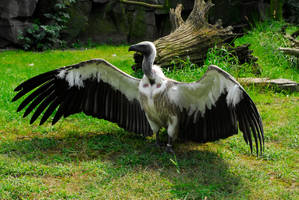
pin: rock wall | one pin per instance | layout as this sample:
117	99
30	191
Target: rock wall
236	12
113	22
109	21
291	11
14	18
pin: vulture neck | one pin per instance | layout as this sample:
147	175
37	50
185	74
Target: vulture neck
147	65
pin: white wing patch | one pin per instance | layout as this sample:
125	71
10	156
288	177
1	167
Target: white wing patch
196	97
234	95
101	71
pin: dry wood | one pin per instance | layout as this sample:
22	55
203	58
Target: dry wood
295	34
266	82
191	38
290	51
175	17
142	4
292	37
295	43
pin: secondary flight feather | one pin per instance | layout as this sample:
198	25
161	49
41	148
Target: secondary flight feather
215	107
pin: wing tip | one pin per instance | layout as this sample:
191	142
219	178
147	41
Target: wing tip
18	88
14	98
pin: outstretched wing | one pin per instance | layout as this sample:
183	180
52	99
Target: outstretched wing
94	87
214	107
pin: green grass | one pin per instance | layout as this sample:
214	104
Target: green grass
86	158
265	40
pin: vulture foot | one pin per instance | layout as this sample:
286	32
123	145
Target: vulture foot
169	149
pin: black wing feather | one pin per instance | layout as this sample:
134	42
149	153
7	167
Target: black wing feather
232	109
221	122
47	101
33	95
50	110
40	97
51	93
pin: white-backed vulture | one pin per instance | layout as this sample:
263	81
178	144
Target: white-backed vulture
212	108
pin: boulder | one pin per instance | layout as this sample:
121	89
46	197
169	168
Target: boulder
142	25
4	43
234	12
10	29
79	13
17	8
107	23
13	15
291	11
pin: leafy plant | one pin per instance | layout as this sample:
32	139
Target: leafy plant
185	70
42	36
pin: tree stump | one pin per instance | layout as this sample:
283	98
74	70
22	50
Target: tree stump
191	38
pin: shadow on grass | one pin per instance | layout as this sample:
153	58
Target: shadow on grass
192	174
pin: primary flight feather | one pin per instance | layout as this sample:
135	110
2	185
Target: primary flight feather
212	108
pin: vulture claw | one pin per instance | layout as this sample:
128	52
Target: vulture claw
169	149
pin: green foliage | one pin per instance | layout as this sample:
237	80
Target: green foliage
265	39
276	8
184	70
41	36
224	59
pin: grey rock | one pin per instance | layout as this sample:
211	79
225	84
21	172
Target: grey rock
107	24
142	26
291	11
79	13
10	29
4	43
234	12
17	8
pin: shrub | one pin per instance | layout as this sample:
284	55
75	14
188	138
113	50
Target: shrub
41	36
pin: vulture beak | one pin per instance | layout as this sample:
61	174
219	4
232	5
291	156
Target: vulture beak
141	48
134	47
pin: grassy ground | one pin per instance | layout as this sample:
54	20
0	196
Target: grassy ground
85	158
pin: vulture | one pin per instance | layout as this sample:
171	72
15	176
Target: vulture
212	108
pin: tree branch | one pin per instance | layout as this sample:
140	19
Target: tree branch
176	19
140	3
290	51
198	14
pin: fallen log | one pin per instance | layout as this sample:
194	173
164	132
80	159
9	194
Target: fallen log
292	37
281	83
191	38
194	37
290	51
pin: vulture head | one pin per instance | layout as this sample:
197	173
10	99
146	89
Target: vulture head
148	50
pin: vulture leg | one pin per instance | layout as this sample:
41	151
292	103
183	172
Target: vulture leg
172	131
169	145
158	143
